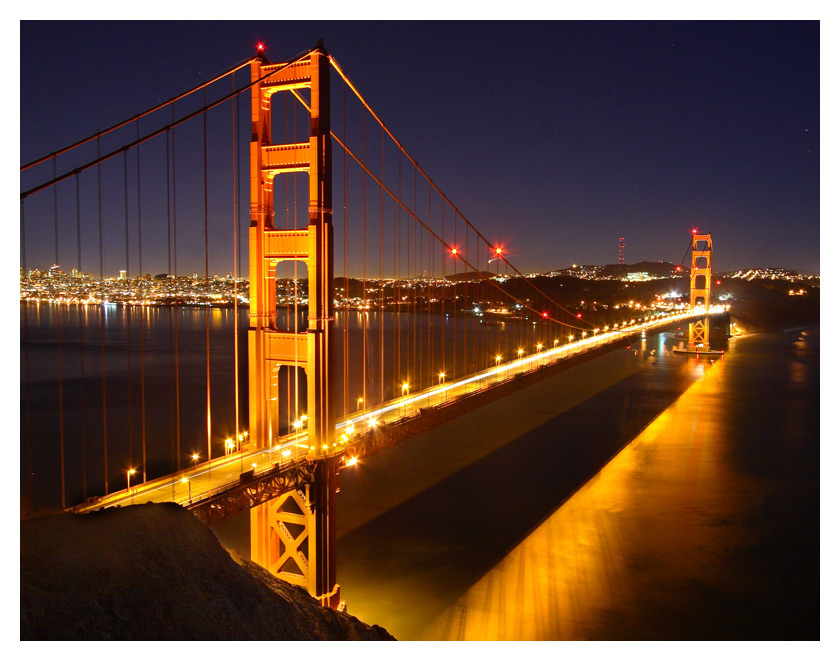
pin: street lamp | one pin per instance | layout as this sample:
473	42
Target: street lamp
128	475
359	403
189	487
498	359
195	460
441	377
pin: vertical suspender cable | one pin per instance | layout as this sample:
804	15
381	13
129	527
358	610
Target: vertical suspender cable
381	282
175	277
206	279
60	377
81	345
455	300
286	286
128	314
171	309
443	293
295	271
415	275
143	310
102	317
346	320
398	281
364	261
235	165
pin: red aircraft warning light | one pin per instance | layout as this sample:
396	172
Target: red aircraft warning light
260	46
579	315
545	314
454	251
694	230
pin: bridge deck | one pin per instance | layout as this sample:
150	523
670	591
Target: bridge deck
219	480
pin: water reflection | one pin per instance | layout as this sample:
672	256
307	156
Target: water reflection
672	539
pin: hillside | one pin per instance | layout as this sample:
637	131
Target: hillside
154	572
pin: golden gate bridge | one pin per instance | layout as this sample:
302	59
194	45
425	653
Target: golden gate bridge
376	309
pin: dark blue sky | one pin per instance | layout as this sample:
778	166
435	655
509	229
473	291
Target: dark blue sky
553	137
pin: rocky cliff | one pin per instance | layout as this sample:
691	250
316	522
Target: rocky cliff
153	572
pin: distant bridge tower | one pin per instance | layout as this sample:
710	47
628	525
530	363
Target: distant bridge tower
293	536
701	289
621	250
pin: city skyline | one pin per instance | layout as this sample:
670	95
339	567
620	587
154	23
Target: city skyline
644	131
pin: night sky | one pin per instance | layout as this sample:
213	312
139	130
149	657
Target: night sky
556	138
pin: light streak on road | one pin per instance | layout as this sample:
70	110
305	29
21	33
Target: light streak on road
223	472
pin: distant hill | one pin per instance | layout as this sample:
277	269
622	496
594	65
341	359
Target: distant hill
660	269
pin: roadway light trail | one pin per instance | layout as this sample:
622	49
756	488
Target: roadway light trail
197	483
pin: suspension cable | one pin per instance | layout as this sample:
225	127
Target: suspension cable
60	374
128	316
98	134
102	324
235	165
157	132
444	200
81	344
175	275
432	183
142	316
206	281
441	241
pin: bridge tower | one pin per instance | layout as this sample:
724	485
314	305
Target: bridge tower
293	536
701	289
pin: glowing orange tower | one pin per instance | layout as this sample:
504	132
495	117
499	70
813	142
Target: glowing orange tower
701	289
293	536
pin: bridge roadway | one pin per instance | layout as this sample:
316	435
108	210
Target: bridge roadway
221	474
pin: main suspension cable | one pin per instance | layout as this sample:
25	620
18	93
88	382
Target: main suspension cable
98	134
156	132
432	183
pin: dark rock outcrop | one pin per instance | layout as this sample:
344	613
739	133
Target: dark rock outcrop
153	572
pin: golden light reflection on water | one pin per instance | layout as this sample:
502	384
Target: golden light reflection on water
656	511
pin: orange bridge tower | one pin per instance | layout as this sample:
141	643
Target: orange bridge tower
701	290
293	536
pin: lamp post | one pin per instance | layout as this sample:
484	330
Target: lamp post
359	403
189	488
128	475
404	392
195	460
